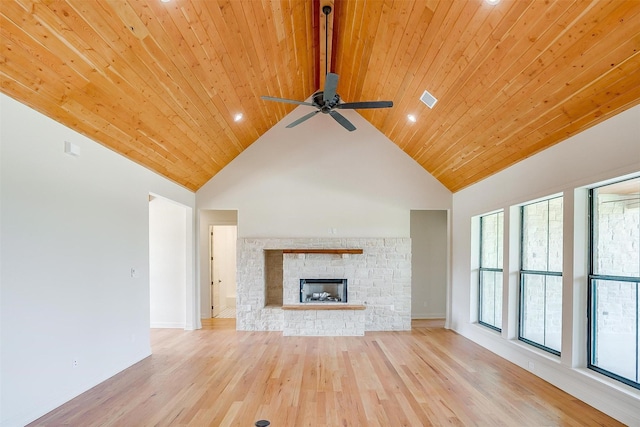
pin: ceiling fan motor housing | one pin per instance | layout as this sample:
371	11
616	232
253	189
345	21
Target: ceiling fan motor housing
325	107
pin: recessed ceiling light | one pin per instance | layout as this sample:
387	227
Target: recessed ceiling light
237	117
411	118
492	2
165	1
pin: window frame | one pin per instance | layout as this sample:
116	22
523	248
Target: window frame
482	269
523	273
592	279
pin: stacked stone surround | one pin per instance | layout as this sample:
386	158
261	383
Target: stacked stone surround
379	278
324	323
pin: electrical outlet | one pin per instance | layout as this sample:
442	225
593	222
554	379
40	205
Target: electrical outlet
74	363
134	272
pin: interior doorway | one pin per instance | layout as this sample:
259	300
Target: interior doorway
429	260
222	270
206	219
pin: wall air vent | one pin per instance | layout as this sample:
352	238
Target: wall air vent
71	149
428	99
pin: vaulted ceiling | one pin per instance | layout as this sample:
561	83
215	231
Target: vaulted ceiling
160	83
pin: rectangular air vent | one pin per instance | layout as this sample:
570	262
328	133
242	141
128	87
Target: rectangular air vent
71	149
428	99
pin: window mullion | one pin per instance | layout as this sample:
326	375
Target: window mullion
544	311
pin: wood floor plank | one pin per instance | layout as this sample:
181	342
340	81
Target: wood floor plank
218	376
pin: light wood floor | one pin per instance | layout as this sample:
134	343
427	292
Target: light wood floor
218	377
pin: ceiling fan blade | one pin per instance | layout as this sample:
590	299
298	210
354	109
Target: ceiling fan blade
303	118
330	87
288	101
342	120
365	104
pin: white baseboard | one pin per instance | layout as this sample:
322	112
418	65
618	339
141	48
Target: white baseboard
418	316
167	325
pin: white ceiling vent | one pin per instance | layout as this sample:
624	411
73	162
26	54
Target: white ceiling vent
428	99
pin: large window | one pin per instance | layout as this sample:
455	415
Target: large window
490	287
541	275
614	280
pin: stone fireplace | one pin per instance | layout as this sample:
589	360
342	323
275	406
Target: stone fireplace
375	272
323	291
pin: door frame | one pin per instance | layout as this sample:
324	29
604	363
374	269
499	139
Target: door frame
207	218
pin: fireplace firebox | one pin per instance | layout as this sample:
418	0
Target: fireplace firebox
323	290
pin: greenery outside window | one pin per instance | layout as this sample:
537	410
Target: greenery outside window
541	275
490	277
614	279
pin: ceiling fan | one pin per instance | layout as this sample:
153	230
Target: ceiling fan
327	101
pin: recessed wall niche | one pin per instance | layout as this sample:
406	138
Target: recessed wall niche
273	278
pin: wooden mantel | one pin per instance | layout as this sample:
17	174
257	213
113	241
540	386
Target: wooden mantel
323	306
323	251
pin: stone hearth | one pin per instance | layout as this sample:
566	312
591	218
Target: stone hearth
379	279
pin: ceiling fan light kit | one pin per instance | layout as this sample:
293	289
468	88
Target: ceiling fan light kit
327	100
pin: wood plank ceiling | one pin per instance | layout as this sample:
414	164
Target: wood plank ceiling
160	83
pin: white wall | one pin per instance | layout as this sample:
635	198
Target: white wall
608	150
72	228
167	263
316	177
